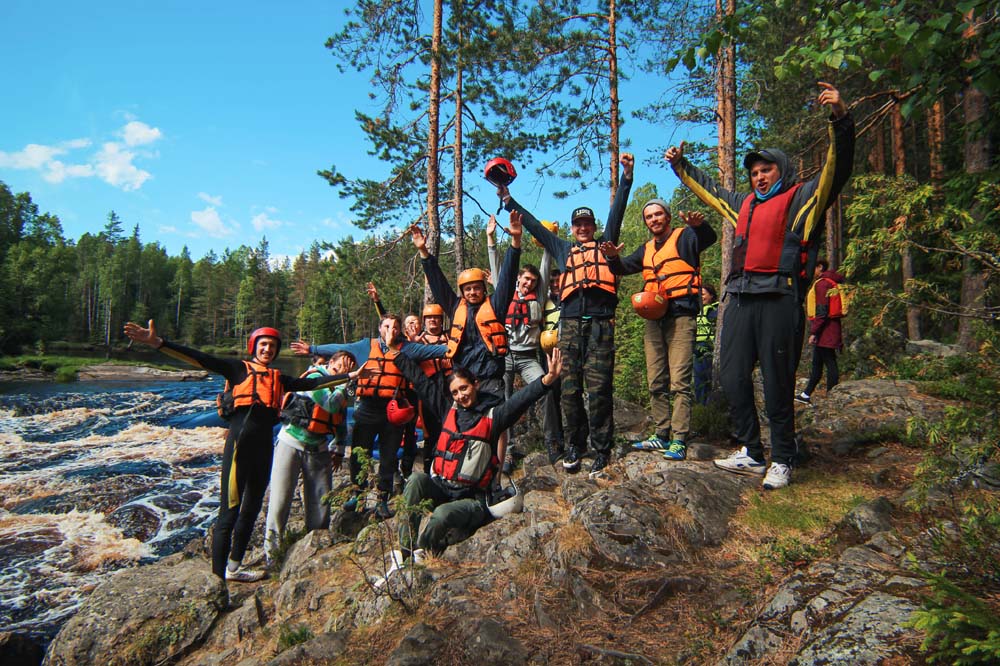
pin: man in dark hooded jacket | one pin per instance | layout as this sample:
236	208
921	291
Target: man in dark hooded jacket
825	334
776	229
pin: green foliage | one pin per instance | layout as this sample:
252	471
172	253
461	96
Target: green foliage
280	550
791	551
290	636
959	628
711	420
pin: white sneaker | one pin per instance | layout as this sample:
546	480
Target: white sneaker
740	463
245	575
778	476
804	398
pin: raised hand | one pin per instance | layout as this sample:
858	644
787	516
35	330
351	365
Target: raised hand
674	154
516	228
627	161
610	250
300	347
145	336
372	291
491	228
692	218
555	367
830	96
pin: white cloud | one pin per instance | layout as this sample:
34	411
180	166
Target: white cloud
262	221
57	172
208	198
114	166
138	133
33	156
208	220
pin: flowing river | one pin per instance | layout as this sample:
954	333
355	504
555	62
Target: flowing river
95	477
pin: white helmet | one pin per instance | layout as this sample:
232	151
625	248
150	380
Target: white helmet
506	501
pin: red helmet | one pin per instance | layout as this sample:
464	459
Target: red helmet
265	332
649	305
500	172
399	411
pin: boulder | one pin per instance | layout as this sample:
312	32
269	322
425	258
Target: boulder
931	348
421	647
322	649
19	650
146	615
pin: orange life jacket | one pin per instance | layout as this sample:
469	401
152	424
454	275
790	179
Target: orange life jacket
586	268
665	271
763	243
262	386
492	330
304	413
384	379
432	366
519	310
465	458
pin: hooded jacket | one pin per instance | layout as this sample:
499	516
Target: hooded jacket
827	329
801	205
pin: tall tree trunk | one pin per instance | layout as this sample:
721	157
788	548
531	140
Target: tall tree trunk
906	258
976	161
613	89
433	132
725	104
935	142
458	194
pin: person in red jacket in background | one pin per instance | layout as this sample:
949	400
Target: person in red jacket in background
825	333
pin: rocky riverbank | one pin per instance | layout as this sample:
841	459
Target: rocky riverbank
660	563
107	372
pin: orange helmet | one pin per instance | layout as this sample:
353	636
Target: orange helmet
471	275
549	339
433	310
649	305
500	172
265	332
399	411
551	226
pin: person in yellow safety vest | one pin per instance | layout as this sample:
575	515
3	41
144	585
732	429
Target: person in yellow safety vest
704	343
246	459
670	263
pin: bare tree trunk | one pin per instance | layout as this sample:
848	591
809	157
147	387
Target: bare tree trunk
433	134
976	161
906	258
725	99
876	156
613	85
458	194
935	142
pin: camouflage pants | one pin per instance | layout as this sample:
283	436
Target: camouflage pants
588	349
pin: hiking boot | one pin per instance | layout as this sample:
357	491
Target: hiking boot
571	461
741	463
382	511
555	450
351	504
601	461
676	450
803	398
654	443
778	476
244	574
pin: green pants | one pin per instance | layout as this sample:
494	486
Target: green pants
452	520
669	344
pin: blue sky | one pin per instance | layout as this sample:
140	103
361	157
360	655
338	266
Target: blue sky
205	123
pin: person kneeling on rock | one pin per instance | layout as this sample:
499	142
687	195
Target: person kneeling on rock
466	458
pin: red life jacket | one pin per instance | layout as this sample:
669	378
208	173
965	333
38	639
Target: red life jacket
304	413
586	267
465	458
492	330
763	243
432	366
386	379
519	310
664	270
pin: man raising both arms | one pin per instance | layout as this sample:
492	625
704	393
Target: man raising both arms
767	282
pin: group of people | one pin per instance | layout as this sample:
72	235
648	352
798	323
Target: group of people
458	378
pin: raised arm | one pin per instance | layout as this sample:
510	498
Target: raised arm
613	228
725	203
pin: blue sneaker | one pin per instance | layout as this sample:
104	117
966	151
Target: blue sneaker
654	443
351	504
676	450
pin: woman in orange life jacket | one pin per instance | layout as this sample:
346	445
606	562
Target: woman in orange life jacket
257	392
774	246
379	382
467	455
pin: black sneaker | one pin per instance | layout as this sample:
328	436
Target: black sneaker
382	511
804	398
571	461
555	450
601	461
508	463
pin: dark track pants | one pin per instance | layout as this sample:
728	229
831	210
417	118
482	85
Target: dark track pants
452	520
828	357
761	328
234	526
